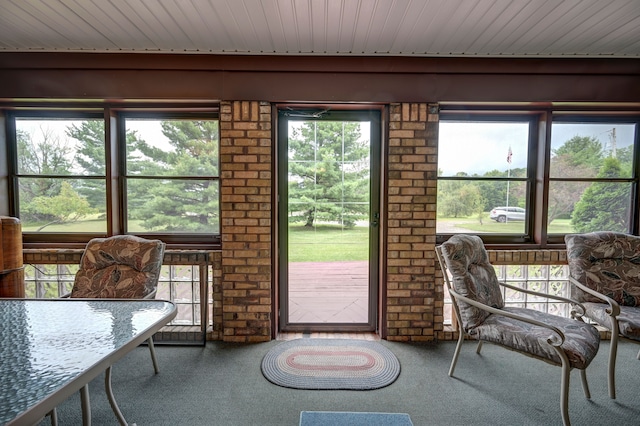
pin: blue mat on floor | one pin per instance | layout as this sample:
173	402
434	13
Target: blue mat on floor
338	418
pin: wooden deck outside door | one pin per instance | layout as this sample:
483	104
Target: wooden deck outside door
328	192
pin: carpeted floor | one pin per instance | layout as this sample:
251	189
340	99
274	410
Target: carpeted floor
222	384
330	364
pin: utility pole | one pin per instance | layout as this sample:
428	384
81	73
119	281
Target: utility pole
612	137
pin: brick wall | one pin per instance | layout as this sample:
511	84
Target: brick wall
242	278
414	306
246	222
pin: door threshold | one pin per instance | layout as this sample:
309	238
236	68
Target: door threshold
328	335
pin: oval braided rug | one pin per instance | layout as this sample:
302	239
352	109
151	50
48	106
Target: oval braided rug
330	364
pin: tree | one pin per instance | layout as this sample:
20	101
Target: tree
176	190
459	198
329	173
604	206
563	195
67	206
90	158
579	157
42	153
580	151
494	193
181	202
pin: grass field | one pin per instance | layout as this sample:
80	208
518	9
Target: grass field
472	224
91	225
328	243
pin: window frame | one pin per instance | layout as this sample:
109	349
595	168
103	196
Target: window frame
539	157
115	163
529	180
600	118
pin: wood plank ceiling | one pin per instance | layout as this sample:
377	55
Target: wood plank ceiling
515	28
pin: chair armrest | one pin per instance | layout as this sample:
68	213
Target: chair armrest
553	340
537	293
151	295
547	295
614	307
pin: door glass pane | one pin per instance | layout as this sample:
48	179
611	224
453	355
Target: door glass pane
328	226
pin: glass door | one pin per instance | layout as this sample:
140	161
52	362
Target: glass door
328	220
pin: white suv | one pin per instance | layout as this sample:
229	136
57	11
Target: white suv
504	214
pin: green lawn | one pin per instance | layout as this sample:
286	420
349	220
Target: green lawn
328	243
91	225
558	226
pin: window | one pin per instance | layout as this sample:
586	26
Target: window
482	175
534	176
591	180
171	175
60	173
77	175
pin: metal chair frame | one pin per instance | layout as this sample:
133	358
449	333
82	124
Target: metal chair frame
555	340
613	311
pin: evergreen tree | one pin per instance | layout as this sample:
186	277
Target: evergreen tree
181	202
580	150
329	173
604	206
579	157
90	158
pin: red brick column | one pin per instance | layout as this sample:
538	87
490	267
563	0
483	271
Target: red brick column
414	306
246	222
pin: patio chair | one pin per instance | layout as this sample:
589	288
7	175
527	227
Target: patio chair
605	276
120	267
479	307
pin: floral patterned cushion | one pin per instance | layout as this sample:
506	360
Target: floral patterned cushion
607	262
473	277
123	266
628	320
581	343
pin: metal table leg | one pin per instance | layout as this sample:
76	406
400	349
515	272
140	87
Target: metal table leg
112	400
86	405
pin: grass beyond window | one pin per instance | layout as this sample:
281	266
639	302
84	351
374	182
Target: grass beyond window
328	243
472	225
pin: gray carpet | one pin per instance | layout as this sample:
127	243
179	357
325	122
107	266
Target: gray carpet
221	384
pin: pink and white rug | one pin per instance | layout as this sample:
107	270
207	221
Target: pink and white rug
331	364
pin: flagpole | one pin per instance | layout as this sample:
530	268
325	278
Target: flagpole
508	180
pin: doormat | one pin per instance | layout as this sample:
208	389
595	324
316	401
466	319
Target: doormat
337	418
337	364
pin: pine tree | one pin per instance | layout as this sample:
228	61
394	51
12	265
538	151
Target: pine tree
604	206
328	173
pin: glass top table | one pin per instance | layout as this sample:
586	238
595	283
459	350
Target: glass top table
50	349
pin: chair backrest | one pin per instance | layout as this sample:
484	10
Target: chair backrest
472	276
607	262
122	266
